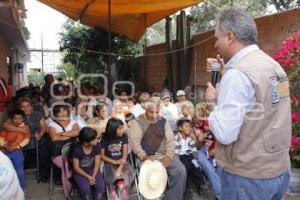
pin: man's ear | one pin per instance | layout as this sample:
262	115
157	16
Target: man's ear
230	37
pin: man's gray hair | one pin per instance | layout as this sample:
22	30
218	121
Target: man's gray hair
152	102
240	23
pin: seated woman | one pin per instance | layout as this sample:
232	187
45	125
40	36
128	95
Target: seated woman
100	119
206	152
82	118
124	101
37	124
86	165
61	131
118	111
187	110
13	140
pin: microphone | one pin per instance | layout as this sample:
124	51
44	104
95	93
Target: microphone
215	73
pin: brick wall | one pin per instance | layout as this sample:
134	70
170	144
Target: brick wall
272	31
19	80
4	52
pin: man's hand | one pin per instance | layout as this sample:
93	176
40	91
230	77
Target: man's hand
211	95
146	157
210	61
166	161
211	92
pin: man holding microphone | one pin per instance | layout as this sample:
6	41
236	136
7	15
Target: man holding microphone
250	113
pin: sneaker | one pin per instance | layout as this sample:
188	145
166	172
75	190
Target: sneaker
112	194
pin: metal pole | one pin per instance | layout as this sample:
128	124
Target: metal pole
42	51
109	47
37	160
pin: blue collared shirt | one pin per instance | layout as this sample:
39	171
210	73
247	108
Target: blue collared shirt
236	96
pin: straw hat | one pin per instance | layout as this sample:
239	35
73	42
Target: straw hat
153	179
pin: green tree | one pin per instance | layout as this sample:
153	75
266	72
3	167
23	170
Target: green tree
67	71
205	13
36	78
282	5
76	37
156	33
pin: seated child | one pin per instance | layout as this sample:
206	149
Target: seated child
86	165
129	118
114	151
14	139
185	148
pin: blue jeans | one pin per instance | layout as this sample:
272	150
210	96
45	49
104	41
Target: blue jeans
240	188
17	160
211	173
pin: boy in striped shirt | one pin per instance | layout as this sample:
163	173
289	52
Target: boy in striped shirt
186	150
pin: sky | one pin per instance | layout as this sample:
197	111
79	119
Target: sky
42	19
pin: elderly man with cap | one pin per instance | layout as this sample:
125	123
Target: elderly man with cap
180	97
152	138
168	109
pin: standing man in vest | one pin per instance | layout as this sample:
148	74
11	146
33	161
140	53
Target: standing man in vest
251	114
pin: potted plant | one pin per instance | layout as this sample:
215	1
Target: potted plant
289	58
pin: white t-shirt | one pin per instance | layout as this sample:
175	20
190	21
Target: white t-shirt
170	113
138	110
81	122
59	129
10	188
184	143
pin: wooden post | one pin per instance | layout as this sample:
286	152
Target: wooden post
178	38
169	55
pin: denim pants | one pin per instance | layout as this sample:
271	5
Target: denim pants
240	188
211	173
17	160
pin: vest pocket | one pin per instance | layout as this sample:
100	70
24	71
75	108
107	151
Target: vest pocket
277	140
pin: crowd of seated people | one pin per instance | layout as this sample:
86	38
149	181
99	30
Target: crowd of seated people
104	130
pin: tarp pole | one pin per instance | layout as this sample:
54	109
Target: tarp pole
109	48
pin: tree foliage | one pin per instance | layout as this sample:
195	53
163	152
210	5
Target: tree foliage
36	78
283	5
67	71
205	13
76	39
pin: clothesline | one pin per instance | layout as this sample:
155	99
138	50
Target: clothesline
140	55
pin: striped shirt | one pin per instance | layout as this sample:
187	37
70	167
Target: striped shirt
185	146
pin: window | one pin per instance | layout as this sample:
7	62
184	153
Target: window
10	70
